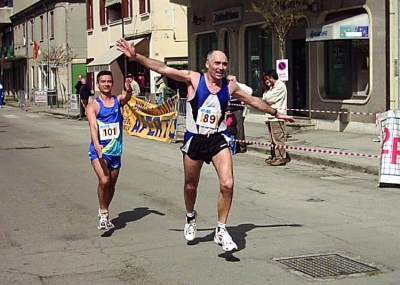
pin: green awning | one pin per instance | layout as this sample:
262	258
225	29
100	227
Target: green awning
112	2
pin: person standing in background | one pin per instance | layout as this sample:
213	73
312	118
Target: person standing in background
142	83
78	84
84	94
231	123
275	95
135	86
238	110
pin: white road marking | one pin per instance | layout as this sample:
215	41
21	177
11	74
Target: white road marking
32	115
11	116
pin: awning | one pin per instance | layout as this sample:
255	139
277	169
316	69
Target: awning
186	3
112	2
356	27
103	61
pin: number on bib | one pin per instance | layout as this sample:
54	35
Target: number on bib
208	118
109	131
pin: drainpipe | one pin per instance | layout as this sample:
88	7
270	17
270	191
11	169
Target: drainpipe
391	101
67	61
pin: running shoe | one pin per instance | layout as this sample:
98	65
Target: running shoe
190	229
104	223
223	239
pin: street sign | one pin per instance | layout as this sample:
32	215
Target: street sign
282	69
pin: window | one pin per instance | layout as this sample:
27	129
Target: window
41	29
204	44
102	12
89	14
258	57
144	6
347	59
116	10
23	34
52	25
32	30
347	64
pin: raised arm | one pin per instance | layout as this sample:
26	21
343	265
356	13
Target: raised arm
124	98
256	102
160	67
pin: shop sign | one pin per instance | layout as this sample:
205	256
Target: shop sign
225	16
347	32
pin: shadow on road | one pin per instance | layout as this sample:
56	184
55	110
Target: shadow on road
129	216
238	233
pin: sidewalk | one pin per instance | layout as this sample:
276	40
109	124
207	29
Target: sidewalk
314	146
318	146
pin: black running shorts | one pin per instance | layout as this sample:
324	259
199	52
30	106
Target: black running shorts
203	147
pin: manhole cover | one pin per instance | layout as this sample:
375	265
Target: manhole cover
330	265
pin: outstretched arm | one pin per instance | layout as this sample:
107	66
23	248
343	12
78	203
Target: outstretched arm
160	67
124	98
256	102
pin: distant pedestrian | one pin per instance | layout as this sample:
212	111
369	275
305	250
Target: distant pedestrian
78	84
84	94
231	123
142	82
275	94
1	96
135	85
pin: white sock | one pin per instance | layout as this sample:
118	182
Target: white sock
221	225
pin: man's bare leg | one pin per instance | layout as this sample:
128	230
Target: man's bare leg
105	190
223	164
192	169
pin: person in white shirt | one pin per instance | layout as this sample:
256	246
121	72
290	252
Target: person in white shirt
239	110
275	95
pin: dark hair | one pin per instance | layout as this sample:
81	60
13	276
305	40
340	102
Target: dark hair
103	72
271	73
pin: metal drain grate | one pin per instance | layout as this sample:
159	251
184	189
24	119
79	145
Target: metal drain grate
330	265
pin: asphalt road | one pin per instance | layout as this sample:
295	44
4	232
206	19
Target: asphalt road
48	215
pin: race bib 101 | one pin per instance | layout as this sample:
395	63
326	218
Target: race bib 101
109	131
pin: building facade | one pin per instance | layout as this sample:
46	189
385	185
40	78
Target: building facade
48	39
339	58
158	28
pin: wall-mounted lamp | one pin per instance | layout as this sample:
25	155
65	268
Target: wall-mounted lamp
314	7
197	20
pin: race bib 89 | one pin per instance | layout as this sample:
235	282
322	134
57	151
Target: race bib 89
109	131
208	117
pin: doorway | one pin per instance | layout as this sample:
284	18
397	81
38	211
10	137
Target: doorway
300	96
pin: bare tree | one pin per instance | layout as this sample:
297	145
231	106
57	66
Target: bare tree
56	57
280	16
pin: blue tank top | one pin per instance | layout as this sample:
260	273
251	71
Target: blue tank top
110	123
205	113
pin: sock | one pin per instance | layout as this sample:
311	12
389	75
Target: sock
221	226
103	212
190	216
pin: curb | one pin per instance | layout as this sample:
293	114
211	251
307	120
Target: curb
325	162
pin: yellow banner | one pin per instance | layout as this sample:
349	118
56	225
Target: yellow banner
146	120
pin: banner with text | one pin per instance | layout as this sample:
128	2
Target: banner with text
146	120
389	123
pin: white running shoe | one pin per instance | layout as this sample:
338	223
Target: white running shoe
190	229
223	239
104	223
